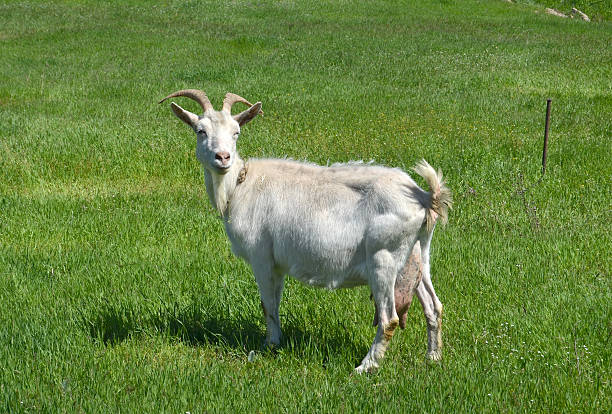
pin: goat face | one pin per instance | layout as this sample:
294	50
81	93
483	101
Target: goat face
216	131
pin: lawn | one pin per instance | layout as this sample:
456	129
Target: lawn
118	290
596	10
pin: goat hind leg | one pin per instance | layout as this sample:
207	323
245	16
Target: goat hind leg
405	286
434	324
432	307
382	285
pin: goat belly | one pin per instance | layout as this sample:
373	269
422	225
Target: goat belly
326	280
327	250
322	259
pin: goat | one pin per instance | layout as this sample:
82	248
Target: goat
338	226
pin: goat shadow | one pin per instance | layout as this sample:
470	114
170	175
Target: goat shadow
194	326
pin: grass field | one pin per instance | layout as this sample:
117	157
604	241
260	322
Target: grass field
118	291
597	10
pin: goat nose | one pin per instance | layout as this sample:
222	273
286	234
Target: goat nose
223	157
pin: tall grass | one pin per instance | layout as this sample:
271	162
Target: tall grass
118	291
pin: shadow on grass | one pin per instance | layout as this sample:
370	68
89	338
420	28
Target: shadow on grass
195	326
116	323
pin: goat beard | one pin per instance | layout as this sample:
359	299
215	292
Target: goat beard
217	187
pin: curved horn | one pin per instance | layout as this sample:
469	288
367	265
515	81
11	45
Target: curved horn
195	94
231	99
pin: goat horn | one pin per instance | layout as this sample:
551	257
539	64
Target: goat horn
231	99
195	94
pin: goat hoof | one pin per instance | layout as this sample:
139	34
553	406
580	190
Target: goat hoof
270	347
366	368
434	355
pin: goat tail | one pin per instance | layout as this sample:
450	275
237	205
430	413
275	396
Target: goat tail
441	197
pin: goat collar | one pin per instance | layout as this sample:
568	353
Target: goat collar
242	174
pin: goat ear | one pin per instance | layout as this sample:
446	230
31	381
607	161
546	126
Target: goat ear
246	116
185	116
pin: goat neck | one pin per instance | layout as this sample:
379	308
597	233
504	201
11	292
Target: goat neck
220	187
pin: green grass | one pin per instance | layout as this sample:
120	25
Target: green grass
118	291
597	10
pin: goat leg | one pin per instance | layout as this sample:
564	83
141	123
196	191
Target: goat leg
405	286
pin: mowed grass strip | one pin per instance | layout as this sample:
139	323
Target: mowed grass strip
118	291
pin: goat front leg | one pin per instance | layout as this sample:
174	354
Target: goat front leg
270	285
382	284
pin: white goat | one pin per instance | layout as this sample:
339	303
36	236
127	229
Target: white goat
338	226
